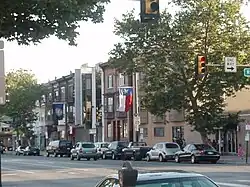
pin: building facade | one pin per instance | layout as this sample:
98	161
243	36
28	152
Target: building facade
75	93
152	129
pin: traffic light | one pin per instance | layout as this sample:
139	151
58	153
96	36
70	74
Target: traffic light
150	10
201	65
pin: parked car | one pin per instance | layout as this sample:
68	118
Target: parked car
31	151
84	150
20	150
163	151
163	179
59	147
101	147
138	149
197	153
115	150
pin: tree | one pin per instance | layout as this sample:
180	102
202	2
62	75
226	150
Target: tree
166	55
31	21
23	93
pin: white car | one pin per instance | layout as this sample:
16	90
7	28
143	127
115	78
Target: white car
163	151
101	148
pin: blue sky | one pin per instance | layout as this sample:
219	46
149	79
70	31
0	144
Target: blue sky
54	58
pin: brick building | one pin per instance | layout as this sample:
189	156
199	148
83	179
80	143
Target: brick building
152	129
75	92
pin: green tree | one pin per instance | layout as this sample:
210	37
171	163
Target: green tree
31	21
23	93
166	55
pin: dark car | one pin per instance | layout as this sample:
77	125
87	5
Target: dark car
31	151
115	150
163	179
138	149
197	153
59	147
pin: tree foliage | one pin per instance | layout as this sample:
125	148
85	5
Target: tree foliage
29	21
166	53
23	92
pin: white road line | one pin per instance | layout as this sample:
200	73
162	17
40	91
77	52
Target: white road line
243	181
44	165
9	174
231	184
18	170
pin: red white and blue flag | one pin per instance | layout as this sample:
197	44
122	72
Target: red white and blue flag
125	99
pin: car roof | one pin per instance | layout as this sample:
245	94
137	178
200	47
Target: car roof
161	175
86	142
167	143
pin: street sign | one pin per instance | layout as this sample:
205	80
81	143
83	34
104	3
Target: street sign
247	72
230	64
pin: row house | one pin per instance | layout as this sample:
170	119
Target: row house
74	91
152	129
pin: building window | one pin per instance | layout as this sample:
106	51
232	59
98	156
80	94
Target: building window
63	93
88	84
177	132
110	81
110	104
121	79
109	130
159	131
145	132
125	129
105	104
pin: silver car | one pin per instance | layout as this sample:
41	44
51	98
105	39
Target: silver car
84	150
163	151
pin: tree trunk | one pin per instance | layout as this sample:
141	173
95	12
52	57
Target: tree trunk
204	137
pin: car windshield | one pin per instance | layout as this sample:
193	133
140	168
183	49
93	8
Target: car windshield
88	145
178	182
65	143
203	147
139	144
171	145
123	144
104	145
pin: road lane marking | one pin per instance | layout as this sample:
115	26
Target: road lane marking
243	181
44	165
231	184
9	174
18	170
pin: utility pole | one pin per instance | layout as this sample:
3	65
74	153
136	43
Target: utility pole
2	93
93	101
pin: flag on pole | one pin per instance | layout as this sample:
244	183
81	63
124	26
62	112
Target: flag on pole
125	98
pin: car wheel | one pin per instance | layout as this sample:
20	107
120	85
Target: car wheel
88	159
47	154
161	159
95	158
113	157
177	159
72	157
193	159
78	157
148	158
55	154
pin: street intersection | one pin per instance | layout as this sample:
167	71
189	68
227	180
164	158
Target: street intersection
23	171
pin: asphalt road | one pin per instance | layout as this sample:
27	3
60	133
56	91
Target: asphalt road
23	171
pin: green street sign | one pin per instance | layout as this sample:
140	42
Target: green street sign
247	72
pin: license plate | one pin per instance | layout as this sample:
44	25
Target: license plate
88	152
210	153
68	148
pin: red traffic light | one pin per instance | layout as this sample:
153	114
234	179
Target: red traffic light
203	58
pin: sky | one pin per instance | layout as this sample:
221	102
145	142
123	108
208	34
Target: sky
55	58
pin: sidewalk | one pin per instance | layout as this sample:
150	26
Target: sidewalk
234	160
